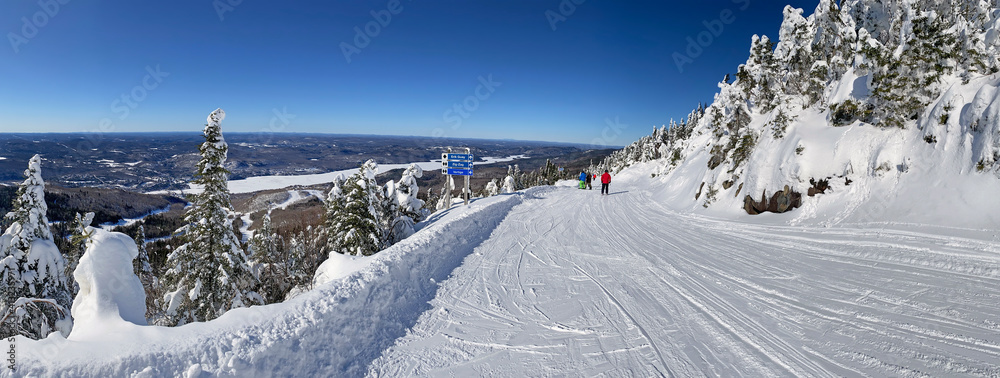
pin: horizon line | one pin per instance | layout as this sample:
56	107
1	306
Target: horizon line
575	144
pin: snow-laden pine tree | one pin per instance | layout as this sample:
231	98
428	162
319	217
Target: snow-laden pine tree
301	264
353	216
80	233
444	201
144	271
334	204
34	290
492	188
266	258
208	275
405	209
509	182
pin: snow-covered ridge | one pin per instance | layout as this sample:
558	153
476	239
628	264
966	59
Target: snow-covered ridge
850	96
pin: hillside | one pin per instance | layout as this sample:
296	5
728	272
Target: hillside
887	111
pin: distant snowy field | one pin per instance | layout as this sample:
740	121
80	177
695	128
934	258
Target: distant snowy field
259	183
562	281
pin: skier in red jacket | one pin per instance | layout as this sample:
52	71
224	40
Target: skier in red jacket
605	181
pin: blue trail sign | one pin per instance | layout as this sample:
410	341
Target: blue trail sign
459	172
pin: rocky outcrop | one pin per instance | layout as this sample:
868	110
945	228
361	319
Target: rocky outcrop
818	187
780	202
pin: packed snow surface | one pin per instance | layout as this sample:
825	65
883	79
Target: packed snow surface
558	281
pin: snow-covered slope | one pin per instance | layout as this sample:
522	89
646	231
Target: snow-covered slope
895	174
577	284
894	104
562	281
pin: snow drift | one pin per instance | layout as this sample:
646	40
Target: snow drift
336	329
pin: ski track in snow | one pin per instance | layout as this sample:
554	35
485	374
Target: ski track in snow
584	285
557	281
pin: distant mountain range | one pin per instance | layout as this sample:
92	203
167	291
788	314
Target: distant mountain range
161	161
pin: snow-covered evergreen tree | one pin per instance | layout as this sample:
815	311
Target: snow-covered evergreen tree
405	209
144	271
353	220
208	275
301	265
444	201
334	204
266	258
509	182
492	188
34	289
80	233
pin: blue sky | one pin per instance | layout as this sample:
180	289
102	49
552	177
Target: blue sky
551	70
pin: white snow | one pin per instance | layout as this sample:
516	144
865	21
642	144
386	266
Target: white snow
113	164
334	330
562	281
111	302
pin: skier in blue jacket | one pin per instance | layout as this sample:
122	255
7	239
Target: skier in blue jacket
583	180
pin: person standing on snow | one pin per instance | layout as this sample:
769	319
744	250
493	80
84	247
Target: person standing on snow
605	181
583	179
589	177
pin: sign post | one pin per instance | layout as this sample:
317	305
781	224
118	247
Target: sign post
454	164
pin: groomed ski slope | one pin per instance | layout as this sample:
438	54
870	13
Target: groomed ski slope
557	281
575	284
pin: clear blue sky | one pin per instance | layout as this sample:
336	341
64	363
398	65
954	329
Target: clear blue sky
176	61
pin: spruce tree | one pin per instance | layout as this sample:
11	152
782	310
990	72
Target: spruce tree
34	289
908	81
143	270
509	182
80	234
492	188
334	204
208	275
405	209
266	258
354	226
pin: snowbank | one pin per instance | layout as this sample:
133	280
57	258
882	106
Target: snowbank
338	266
336	329
110	293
